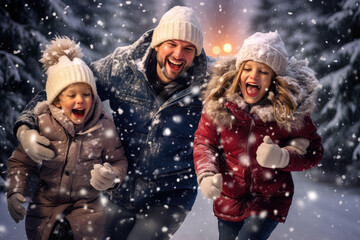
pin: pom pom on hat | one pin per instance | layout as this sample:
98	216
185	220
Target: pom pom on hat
179	23
267	48
63	64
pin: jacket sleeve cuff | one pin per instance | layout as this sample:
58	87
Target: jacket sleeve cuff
15	190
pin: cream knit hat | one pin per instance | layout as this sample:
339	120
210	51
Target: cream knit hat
63	65
179	23
267	48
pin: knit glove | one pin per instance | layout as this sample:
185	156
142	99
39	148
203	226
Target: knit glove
15	207
270	155
103	177
35	145
299	145
211	186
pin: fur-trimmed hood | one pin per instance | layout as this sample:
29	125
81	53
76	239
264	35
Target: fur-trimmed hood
92	120
298	75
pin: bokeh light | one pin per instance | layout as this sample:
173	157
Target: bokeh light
227	47
216	50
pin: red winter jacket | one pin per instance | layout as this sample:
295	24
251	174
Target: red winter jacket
230	149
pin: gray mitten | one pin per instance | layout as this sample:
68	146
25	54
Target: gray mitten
102	177
34	144
15	207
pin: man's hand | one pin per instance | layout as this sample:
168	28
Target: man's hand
270	155
211	186
35	145
15	207
102	177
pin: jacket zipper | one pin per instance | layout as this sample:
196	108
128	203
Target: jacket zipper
248	138
62	172
154	135
66	161
248	152
167	104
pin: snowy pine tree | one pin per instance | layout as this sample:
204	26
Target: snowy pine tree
299	24
339	112
21	73
128	20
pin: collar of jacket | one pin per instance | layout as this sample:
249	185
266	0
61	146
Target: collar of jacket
297	75
138	53
92	122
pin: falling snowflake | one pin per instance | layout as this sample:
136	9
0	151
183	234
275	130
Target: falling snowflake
109	133
167	132
312	195
177	119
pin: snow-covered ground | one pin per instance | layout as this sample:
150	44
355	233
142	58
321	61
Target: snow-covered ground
319	212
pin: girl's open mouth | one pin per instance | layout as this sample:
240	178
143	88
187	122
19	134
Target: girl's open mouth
252	89
79	113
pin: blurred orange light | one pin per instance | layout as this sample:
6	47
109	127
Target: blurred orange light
227	47
216	50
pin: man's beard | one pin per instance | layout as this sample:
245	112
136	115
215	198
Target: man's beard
162	65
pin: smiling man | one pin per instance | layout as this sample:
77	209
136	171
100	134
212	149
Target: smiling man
157	110
174	57
153	88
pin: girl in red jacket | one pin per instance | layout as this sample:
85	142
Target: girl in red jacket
255	129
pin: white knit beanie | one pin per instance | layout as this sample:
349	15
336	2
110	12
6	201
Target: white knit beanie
62	60
267	48
179	23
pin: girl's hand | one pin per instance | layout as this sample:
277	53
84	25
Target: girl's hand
298	145
270	155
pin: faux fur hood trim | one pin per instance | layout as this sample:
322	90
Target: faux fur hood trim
92	122
297	74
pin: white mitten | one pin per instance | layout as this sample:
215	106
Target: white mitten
299	145
270	155
102	177
211	186
34	144
15	207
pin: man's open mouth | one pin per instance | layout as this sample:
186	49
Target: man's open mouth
79	113
175	65
252	89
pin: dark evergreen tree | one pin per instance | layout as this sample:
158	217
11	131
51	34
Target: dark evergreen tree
129	20
338	114
21	75
299	22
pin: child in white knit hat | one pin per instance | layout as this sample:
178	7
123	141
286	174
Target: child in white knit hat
255	129
88	157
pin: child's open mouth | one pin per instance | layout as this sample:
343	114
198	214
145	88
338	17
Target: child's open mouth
79	113
174	65
252	89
